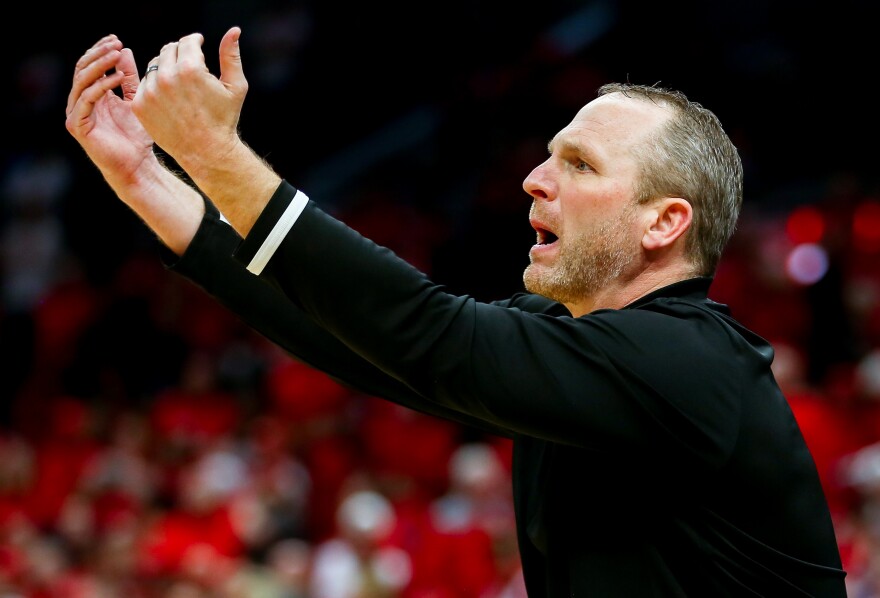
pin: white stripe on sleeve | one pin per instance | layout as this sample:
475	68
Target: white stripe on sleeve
279	231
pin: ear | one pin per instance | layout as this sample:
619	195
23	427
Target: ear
670	218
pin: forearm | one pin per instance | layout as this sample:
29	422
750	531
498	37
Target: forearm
237	181
208	263
167	204
382	309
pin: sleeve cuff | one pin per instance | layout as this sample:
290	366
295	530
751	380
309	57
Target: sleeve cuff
273	224
214	233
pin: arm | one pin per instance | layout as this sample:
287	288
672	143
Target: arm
112	137
208	263
194	116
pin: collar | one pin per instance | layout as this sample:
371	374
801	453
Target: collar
691	288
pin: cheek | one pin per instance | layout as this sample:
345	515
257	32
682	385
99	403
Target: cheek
587	210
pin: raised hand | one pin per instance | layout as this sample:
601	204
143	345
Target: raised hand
115	140
192	114
101	121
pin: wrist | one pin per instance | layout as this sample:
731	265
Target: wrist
212	159
135	180
236	179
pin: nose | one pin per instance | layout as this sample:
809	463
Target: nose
539	183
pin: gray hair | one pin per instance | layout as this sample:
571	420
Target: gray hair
690	157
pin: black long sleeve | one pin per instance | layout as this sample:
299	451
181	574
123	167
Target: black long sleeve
208	263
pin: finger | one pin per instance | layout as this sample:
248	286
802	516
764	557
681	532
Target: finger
152	67
146	82
128	68
97	52
92	66
100	47
84	104
231	71
167	57
189	51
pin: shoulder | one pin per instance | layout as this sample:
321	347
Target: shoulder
681	342
692	324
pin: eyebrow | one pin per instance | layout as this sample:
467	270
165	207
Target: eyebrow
568	146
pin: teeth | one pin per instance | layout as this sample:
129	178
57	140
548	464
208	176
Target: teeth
544	236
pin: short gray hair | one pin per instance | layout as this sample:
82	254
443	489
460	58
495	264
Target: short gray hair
690	157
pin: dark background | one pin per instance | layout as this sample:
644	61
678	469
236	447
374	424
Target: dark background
433	103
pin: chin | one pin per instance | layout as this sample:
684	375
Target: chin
536	282
531	278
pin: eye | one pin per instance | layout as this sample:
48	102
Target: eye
582	166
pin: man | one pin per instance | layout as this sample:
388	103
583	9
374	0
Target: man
654	454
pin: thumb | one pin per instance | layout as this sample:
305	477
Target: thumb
231	72
130	78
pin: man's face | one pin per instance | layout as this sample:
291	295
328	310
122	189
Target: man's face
583	200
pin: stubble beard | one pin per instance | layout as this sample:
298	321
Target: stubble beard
586	264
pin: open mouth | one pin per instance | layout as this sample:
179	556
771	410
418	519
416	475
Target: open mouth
545	237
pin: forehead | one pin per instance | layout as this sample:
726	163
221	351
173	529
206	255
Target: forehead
613	123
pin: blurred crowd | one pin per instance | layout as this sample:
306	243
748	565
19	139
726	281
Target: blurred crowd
153	446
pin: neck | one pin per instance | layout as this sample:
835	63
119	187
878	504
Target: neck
623	291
